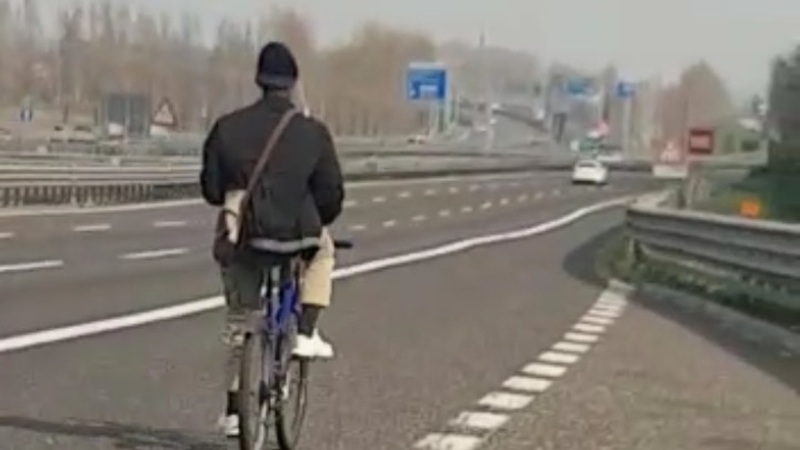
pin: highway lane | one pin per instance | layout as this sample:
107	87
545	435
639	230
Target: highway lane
416	344
124	271
419	345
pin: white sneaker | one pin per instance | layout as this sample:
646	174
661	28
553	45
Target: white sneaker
312	347
229	425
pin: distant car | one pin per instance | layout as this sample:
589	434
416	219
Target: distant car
6	135
589	171
609	157
417	139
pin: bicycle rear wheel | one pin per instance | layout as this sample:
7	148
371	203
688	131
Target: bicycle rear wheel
252	402
290	409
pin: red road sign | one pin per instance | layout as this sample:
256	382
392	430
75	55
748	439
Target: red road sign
701	141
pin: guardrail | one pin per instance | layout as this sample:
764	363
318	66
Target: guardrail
86	186
746	257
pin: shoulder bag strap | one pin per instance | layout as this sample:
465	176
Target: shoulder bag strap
268	148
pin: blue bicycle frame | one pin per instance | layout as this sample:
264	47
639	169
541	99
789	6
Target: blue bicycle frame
281	302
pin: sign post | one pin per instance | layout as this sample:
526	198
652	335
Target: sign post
626	91
671	163
428	82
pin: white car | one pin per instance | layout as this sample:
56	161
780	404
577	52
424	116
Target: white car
589	171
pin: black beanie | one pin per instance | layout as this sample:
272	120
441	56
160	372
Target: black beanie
277	68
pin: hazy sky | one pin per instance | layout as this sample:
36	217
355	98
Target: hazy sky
643	37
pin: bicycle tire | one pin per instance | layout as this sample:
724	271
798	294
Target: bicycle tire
251	399
288	428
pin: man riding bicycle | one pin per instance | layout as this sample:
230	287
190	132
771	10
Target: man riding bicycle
298	195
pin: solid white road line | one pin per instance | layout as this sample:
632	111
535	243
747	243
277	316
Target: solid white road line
43	337
30	266
154	254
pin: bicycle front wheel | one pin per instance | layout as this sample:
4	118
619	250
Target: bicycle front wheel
252	402
290	410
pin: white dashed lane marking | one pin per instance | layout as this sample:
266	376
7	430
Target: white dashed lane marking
544	370
154	254
404	194
505	401
419	218
31	266
527	384
350	203
390	224
169	224
589	328
379	199
520	390
357	227
581	337
480	420
6	235
91	227
444	213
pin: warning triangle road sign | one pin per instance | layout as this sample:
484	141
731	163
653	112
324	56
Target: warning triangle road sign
165	115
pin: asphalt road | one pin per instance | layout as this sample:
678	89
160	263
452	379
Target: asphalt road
417	344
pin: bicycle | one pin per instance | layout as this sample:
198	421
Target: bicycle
265	373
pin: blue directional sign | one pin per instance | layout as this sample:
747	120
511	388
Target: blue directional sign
577	86
625	89
426	81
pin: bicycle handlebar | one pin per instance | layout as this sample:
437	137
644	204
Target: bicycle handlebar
342	244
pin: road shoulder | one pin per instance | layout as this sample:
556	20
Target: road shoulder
657	383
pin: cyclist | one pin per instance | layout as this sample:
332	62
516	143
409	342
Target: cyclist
301	193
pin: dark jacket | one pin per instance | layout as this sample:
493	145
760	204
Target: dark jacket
301	189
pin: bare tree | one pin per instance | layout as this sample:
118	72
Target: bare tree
784	112
699	99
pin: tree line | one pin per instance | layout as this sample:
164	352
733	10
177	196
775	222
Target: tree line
106	47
